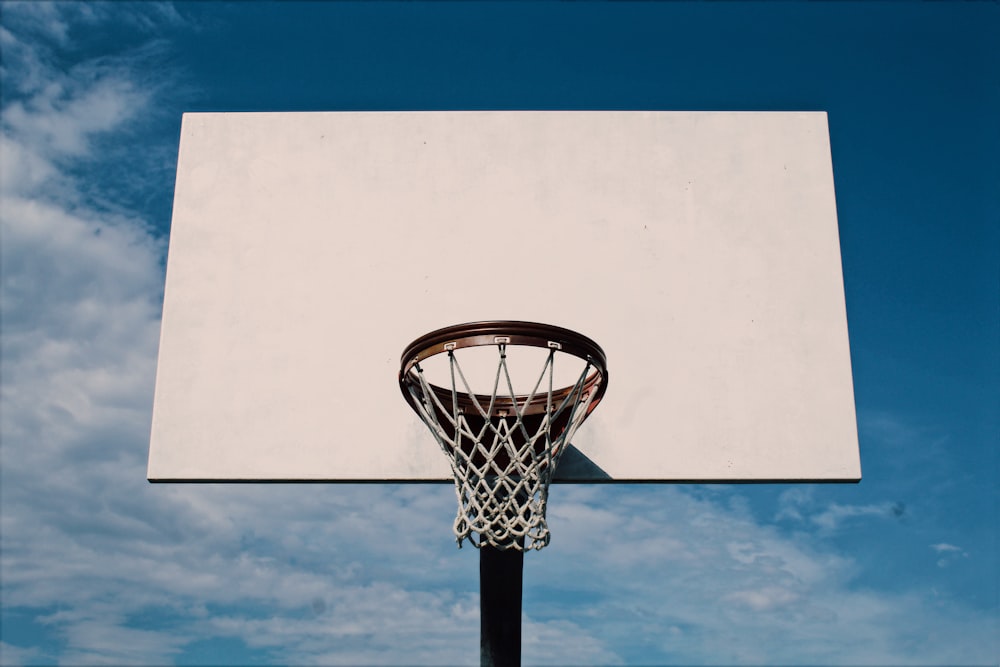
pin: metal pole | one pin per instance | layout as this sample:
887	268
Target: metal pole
500	576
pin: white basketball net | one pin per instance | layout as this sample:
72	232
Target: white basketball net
502	464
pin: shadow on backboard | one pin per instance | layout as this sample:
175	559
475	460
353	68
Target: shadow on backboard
574	466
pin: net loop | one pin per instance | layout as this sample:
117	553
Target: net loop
503	447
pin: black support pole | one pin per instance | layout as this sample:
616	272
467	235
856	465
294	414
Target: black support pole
500	577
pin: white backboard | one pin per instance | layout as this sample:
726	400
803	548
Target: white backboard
699	249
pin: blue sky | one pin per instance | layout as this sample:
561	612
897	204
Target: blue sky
99	567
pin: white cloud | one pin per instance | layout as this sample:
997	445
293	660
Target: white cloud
21	169
836	514
14	656
60	119
561	642
375	624
793	502
798	504
105	641
948	554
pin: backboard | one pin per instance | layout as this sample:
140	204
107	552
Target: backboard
699	249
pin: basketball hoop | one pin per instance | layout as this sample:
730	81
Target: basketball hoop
503	439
